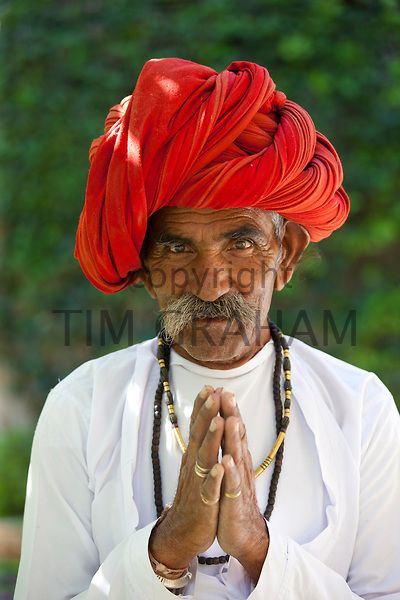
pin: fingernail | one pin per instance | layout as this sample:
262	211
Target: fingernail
231	462
209	402
237	427
213	426
214	471
205	390
232	400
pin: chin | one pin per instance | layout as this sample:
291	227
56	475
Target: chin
213	340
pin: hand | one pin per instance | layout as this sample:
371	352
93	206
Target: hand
242	531
190	526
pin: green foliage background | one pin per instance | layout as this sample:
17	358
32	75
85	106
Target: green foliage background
15	449
68	62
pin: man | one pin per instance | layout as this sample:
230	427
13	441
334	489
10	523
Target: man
208	188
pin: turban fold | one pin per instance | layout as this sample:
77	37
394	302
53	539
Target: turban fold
189	136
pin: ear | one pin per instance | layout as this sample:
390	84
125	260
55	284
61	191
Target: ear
143	275
295	240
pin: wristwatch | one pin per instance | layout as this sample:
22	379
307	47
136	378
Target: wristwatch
176	584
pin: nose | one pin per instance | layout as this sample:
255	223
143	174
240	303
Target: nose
210	277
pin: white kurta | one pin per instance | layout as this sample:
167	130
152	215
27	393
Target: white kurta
335	528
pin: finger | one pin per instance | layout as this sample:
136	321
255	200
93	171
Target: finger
208	452
210	490
232	484
246	466
232	442
207	412
248	460
199	401
236	446
229	406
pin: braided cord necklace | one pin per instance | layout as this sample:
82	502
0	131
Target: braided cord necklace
282	422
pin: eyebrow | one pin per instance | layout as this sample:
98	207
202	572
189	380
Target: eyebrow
239	232
244	231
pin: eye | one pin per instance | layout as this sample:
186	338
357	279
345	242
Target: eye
177	247
243	244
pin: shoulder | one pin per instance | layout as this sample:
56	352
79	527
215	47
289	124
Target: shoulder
69	404
348	391
328	368
322	361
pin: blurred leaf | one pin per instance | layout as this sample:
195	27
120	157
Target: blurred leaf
65	64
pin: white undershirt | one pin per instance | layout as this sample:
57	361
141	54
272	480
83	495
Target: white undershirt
252	385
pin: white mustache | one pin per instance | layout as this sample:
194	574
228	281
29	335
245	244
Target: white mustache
183	310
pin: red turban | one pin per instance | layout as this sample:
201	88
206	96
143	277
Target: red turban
190	136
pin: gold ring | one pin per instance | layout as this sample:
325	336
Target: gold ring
232	495
207	501
201	471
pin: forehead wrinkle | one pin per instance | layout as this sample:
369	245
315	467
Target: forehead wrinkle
241	230
172	224
183	214
200	218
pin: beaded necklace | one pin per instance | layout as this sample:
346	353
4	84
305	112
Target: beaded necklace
282	422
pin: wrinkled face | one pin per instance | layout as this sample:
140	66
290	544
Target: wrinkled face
213	273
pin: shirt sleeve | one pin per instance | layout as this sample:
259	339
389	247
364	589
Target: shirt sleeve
59	558
290	571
